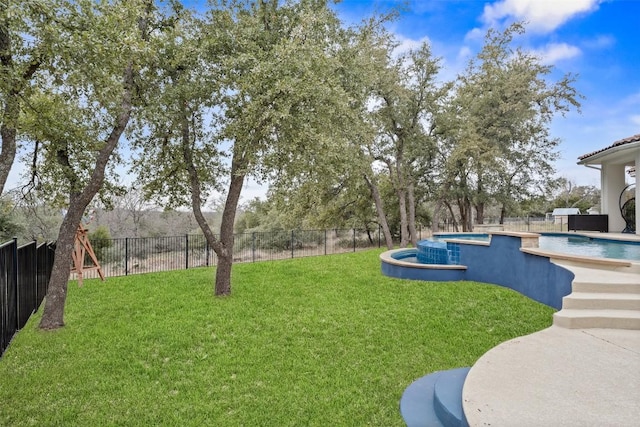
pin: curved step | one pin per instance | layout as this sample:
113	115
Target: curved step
606	319
602	301
618	286
593	280
435	400
447	397
416	404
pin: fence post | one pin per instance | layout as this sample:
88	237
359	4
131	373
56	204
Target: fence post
253	246
206	251
354	240
325	241
126	256
34	266
15	284
186	251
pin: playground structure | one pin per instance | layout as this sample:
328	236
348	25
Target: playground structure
82	248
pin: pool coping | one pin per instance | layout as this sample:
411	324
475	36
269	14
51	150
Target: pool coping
610	237
610	262
468	242
386	257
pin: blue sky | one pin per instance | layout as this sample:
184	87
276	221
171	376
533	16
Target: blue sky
597	40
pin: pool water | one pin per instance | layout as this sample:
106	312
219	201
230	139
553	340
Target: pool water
574	245
601	248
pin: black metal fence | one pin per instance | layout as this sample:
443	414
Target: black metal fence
24	275
125	256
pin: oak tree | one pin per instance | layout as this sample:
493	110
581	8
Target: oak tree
495	140
80	111
255	88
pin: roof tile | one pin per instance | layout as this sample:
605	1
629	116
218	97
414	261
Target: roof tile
629	140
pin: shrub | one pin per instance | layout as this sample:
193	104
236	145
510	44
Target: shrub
100	241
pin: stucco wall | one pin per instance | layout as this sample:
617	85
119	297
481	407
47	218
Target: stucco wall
502	263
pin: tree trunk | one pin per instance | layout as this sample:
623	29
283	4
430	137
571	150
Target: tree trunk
411	200
8	135
468	225
464	205
453	216
463	213
480	204
369	236
480	213
435	219
53	315
223	275
11	111
382	218
225	255
404	228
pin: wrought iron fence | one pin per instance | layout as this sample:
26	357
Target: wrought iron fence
125	256
24	275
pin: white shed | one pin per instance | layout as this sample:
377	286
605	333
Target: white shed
561	215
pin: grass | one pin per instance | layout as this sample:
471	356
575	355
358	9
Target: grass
323	341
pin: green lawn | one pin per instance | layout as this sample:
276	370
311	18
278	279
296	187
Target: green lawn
323	341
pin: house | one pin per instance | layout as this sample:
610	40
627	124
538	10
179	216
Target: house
614	162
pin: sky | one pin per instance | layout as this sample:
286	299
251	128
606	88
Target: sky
597	40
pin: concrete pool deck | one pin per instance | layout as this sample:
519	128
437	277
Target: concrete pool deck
566	376
557	377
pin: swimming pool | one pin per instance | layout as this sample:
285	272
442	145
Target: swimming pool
574	245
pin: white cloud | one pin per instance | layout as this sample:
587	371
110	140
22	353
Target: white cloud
464	53
475	34
600	42
555	52
406	44
543	15
635	119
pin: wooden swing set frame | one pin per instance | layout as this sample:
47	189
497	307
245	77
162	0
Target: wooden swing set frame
82	247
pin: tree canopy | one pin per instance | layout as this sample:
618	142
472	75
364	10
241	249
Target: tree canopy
495	142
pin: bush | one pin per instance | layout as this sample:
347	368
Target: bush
100	240
360	243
